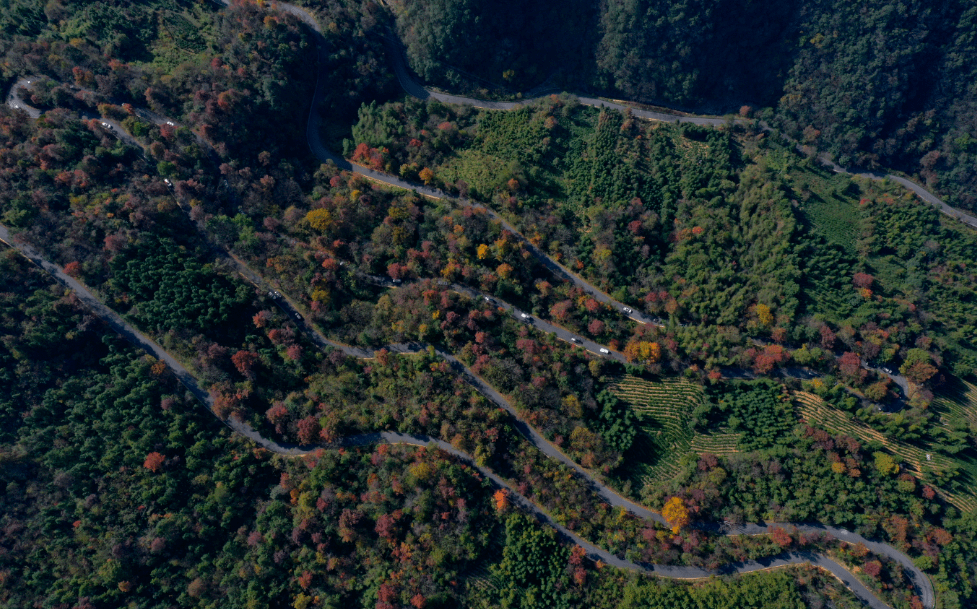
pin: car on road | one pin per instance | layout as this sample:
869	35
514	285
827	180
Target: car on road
524	316
170	123
627	310
887	370
297	316
604	351
575	340
167	182
487	299
106	125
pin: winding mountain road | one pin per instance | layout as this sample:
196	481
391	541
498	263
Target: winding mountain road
921	582
414	89
16	101
919	579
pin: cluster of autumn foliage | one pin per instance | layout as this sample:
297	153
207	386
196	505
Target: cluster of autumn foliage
695	263
297	529
696	233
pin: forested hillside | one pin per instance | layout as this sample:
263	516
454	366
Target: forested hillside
417	354
735	237
883	83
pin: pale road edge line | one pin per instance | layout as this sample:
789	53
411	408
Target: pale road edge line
319	150
596	553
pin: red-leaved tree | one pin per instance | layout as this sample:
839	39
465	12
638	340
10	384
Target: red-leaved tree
862	280
154	461
850	365
244	361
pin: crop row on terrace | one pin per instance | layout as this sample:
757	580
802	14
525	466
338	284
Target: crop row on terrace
819	413
816	412
664	409
957	403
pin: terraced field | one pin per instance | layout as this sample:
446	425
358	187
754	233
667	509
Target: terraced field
958	403
817	412
715	443
665	411
479	576
954	405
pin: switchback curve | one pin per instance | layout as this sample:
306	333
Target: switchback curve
413	88
920	581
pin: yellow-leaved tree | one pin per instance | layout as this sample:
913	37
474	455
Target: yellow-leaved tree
676	514
643	351
764	314
319	220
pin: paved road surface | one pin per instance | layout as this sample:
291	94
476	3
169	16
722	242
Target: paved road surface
319	149
117	323
142	341
526	430
16	101
135	337
415	89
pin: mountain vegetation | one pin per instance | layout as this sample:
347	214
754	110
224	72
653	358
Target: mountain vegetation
884	83
812	338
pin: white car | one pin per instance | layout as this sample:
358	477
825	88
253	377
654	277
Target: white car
167	182
575	340
627	310
106	125
604	351
170	123
524	316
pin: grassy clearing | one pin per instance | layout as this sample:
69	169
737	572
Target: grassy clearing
181	37
484	172
664	409
829	205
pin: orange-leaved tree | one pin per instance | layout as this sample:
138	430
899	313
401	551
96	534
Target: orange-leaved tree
501	498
